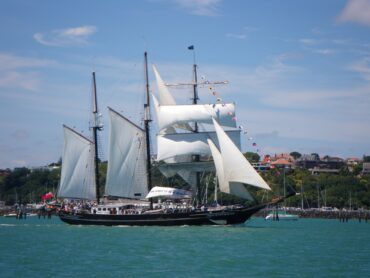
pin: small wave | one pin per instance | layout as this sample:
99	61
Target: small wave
8	225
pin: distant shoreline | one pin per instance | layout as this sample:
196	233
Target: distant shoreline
316	213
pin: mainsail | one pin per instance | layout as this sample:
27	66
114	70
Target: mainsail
77	178
126	174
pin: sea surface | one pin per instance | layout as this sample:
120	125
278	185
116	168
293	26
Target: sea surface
304	248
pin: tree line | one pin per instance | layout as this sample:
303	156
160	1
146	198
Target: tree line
343	190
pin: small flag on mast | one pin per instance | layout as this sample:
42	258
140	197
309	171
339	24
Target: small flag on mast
191	47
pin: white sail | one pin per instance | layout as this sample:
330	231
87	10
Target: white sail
181	144
168	129
77	177
226	186
168	192
165	96
236	167
173	168
172	115
126	174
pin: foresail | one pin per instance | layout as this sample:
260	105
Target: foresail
182	144
234	188
126	174
236	167
77	176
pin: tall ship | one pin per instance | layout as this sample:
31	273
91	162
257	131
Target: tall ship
196	142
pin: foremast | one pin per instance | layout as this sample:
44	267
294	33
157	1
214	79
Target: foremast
147	120
95	128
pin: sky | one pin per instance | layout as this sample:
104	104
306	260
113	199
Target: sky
298	71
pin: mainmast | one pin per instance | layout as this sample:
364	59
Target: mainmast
196	130
147	120
95	127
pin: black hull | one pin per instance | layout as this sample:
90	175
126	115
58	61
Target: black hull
224	217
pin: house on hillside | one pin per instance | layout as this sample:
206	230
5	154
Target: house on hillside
281	163
4	173
352	162
329	162
307	161
366	168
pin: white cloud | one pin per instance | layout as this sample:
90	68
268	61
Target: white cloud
313	99
14	79
357	11
325	51
243	34
21	72
66	37
20	134
236	36
200	7
82	31
362	67
10	62
308	41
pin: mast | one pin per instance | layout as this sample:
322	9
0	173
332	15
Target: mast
147	120
95	129
196	130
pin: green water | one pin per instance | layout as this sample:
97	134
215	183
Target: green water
305	248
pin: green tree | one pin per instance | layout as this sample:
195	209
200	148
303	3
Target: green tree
252	157
295	155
